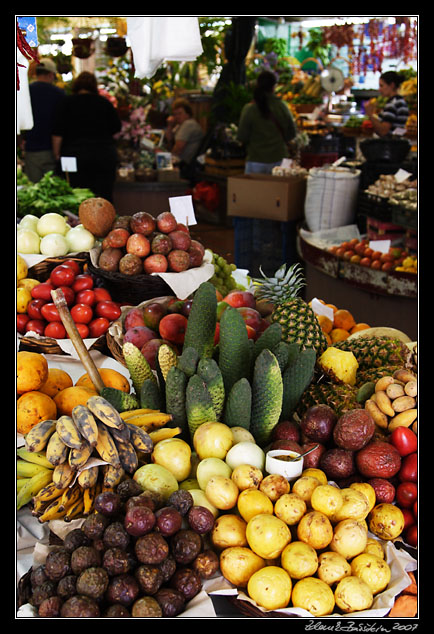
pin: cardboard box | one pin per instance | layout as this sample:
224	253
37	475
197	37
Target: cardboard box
266	196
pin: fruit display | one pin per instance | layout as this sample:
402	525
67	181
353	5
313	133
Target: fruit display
363	253
91	307
340	324
52	235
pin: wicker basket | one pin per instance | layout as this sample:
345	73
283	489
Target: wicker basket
41	271
250	610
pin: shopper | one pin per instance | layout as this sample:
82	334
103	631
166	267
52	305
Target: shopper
265	127
395	113
183	136
84	127
45	96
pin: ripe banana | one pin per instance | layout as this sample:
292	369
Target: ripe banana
75	510
140	438
31	488
70	495
164	433
121	435
68	432
112	476
56	450
151	420
47	493
52	511
85	423
29	469
78	457
127	456
38	457
63	474
88	477
37	438
106	447
88	499
105	411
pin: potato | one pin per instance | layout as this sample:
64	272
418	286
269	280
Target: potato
274	485
229	530
332	567
355	506
313	595
374	547
327	499
386	521
237	564
373	570
252	502
209	467
352	594
222	492
315	529
267	535
349	538
304	487
290	508
270	587
315	473
299	560
368	490
247	476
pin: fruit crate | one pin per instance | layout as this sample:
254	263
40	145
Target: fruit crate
264	243
404	216
374	207
379	230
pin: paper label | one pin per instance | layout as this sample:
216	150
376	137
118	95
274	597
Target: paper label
320	309
68	163
380	245
286	163
401	175
182	208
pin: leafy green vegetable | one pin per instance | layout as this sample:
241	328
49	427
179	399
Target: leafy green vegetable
50	194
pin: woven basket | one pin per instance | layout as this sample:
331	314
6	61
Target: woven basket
250	610
41	271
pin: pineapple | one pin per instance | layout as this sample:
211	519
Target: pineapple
339	365
297	319
340	397
376	352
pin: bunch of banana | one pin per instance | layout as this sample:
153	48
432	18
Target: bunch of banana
33	473
312	87
56	501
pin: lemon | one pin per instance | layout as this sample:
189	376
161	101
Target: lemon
21	268
24	297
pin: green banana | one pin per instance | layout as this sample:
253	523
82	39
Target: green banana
33	486
21	482
38	457
29	469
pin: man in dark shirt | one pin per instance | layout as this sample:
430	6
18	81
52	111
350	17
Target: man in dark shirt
44	97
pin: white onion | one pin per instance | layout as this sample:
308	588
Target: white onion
52	223
29	221
28	241
54	244
80	239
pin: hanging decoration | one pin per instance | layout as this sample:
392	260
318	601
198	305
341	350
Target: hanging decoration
26	50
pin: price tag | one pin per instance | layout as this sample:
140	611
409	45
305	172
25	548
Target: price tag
401	175
68	163
182	208
286	163
321	309
380	245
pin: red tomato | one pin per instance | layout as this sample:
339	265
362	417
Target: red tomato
102	294
404	439
36	325
74	266
108	309
68	294
62	275
22	320
85	297
408	470
415	509
406	494
82	282
411	535
50	312
98	327
83	330
81	313
408	518
34	308
55	329
42	291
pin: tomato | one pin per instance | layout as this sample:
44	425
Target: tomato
74	266
82	282
102	294
98	327
36	325
68	294
42	291
22	319
34	308
411	535
62	275
408	518
81	313
406	494
83	330
50	313
55	329
405	440
408	470
415	509
108	309
87	296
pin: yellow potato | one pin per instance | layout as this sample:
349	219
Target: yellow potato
386	521
299	560
304	487
319	474
274	485
290	508
327	499
355	506
349	538
222	492
270	587
247	476
332	567
252	502
368	490
374	547
237	564
313	595
353	594
373	570
267	535
315	529
229	530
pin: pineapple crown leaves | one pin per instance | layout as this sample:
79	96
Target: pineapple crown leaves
287	282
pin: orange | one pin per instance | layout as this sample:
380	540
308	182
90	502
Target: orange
325	323
110	378
68	398
57	380
359	326
333	307
339	334
32	371
344	319
32	408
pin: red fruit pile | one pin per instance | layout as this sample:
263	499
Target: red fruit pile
359	252
91	308
405	441
143	244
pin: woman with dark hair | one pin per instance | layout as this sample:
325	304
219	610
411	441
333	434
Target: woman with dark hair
265	127
84	127
183	136
395	112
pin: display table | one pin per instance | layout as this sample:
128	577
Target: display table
131	197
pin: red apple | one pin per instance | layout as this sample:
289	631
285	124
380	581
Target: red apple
139	335
166	222
152	314
251	317
172	327
134	318
239	299
251	332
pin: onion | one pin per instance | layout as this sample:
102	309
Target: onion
52	223
80	239
54	244
27	241
29	221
